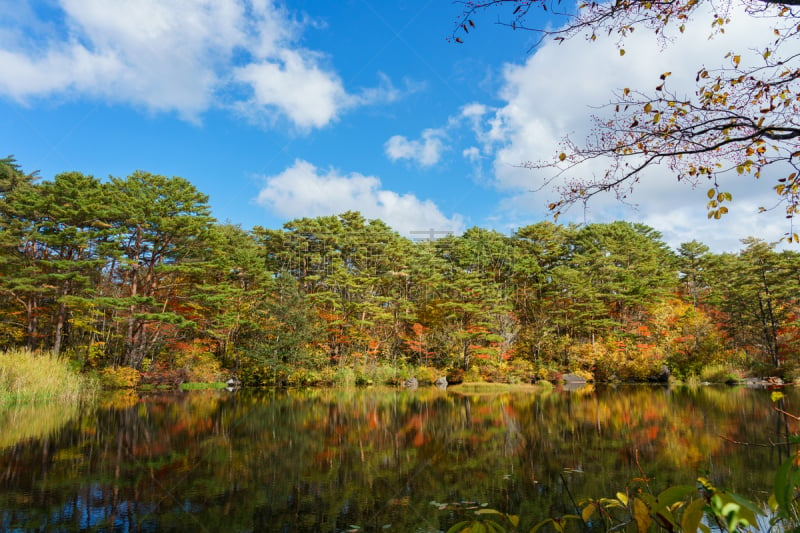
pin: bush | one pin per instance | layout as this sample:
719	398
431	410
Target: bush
122	377
472	375
719	373
521	371
426	375
198	362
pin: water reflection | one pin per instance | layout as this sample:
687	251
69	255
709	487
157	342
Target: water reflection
321	460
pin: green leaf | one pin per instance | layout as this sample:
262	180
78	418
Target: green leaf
675	494
488	511
786	478
692	516
460	526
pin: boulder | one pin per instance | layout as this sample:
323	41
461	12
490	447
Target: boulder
411	383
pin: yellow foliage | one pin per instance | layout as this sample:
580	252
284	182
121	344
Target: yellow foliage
123	377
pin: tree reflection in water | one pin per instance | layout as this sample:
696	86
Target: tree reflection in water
322	460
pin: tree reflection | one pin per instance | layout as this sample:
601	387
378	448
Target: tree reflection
311	460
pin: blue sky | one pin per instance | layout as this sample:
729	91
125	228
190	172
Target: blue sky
280	110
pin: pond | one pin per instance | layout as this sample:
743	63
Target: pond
373	459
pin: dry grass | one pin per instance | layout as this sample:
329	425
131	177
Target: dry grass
29	376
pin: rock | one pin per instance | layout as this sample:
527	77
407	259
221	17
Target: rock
411	383
572	378
441	383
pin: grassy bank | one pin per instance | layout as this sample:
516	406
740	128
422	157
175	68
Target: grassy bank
30	376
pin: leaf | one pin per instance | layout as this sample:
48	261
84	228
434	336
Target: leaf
623	498
648	107
641	513
711	193
562	156
786	478
675	494
748	511
588	511
692	516
622	51
488	511
736	60
514	519
459	526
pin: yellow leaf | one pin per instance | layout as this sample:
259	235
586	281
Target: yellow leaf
648	107
562	156
622	51
656	118
587	512
642	515
736	60
711	193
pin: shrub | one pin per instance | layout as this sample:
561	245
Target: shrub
472	375
455	376
426	375
521	371
198	362
122	377
719	373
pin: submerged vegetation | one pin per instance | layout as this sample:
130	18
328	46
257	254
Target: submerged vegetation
132	279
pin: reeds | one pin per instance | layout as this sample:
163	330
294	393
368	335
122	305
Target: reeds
31	376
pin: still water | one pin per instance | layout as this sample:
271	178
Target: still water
371	459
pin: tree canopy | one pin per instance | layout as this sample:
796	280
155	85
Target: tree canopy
741	120
134	272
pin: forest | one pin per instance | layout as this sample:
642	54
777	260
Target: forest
133	278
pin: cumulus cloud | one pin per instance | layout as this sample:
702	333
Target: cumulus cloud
425	151
303	190
178	56
296	86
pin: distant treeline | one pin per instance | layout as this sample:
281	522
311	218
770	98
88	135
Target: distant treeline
134	272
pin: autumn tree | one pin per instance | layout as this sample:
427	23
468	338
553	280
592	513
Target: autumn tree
742	119
163	226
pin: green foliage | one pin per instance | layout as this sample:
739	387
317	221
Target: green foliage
132	271
720	373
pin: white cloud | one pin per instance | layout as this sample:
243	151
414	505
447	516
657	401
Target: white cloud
426	151
296	86
179	56
302	190
555	92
